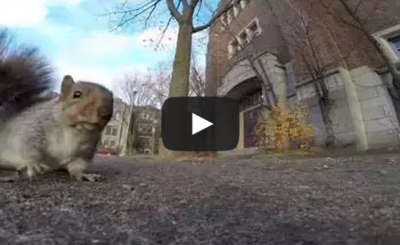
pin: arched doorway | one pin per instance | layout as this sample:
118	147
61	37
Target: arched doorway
249	96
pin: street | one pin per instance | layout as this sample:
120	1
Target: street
342	200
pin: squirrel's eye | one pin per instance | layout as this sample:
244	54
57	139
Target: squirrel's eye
77	94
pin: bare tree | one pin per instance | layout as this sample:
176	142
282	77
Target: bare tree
133	87
158	79
197	85
352	17
157	83
300	29
128	86
299	35
184	13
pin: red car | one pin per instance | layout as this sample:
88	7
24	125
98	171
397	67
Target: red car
105	151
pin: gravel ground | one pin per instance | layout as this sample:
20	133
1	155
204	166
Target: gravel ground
345	200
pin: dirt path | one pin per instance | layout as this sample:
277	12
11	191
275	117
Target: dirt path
349	200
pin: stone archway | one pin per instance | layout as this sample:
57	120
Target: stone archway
248	93
242	84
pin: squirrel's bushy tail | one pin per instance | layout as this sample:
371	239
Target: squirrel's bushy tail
25	76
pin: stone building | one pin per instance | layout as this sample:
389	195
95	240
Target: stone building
114	132
148	121
256	47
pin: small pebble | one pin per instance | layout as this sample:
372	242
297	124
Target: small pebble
127	187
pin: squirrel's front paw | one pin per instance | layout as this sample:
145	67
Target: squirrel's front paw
36	169
92	177
10	178
76	169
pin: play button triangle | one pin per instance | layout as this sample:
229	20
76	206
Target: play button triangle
199	123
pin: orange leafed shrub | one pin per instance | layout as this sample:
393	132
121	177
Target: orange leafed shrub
275	127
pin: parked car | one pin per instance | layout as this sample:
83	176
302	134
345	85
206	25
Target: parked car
106	151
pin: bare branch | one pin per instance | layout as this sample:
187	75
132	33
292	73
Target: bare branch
200	4
149	16
197	80
185	4
194	3
213	19
164	31
357	7
173	10
133	13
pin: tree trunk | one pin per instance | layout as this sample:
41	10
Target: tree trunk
126	149
325	104
179	85
330	134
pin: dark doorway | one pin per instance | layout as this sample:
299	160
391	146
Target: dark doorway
249	96
251	104
250	121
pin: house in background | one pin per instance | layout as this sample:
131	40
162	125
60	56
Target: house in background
249	45
112	136
147	121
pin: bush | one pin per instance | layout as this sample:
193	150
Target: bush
278	126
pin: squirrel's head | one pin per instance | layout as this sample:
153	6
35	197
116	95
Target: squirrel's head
85	105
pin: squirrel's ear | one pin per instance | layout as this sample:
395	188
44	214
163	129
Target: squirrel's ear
66	87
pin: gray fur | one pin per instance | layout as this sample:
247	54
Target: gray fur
37	140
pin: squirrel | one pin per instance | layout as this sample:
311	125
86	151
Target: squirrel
39	134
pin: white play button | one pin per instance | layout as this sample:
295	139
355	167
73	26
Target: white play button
199	124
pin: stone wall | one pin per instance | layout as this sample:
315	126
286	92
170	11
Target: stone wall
381	124
340	113
362	113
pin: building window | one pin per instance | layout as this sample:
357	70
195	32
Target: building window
251	99
243	3
236	8
395	43
233	48
224	20
253	30
105	144
243	39
108	130
117	116
389	39
112	143
230	16
114	130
